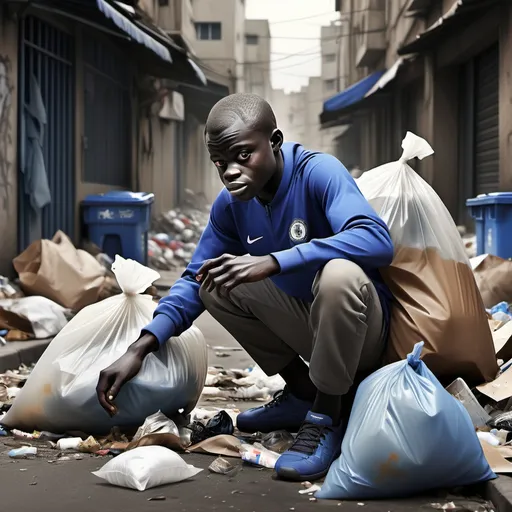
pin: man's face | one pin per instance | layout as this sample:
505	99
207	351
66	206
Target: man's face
244	159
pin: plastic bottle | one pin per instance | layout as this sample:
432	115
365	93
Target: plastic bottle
258	455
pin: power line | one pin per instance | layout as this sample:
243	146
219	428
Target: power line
355	11
300	19
332	38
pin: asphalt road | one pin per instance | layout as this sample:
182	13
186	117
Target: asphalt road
43	486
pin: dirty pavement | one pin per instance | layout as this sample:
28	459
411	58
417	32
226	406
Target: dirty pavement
179	446
39	483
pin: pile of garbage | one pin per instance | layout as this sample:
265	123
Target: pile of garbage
174	234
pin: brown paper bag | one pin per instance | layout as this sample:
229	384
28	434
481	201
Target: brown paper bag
493	276
437	301
57	270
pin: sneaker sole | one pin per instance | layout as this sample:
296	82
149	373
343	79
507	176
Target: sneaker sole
293	475
292	429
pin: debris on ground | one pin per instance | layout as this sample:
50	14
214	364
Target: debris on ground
145	468
258	455
220	424
278	441
223	467
233	384
174	235
310	490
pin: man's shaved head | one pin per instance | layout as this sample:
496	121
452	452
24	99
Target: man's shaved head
245	145
252	110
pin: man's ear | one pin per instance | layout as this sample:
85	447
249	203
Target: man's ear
276	140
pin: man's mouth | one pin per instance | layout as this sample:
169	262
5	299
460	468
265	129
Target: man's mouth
236	189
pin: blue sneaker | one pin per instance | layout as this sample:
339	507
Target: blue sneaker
316	446
283	412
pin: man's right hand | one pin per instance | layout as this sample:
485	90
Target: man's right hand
113	378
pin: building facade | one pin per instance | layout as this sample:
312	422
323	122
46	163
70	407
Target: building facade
441	69
257	58
92	99
219	41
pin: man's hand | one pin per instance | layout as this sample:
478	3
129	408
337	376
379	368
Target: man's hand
228	271
113	378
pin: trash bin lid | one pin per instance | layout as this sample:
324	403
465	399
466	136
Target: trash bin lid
119	197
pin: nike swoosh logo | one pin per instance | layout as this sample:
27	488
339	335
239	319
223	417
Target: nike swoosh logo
250	242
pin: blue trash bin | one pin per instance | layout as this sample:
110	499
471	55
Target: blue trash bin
118	223
493	223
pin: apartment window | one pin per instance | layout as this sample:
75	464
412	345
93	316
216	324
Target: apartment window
252	39
330	85
208	31
330	57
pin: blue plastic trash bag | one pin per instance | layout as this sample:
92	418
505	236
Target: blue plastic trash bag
406	435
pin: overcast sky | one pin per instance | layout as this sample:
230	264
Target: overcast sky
290	71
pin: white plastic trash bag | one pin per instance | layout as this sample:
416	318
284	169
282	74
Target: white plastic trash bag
60	394
437	298
46	317
406	435
146	467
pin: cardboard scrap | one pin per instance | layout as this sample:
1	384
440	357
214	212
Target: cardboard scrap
496	461
506	451
229	446
500	388
501	338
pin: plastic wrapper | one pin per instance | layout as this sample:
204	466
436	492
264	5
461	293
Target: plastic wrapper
436	297
60	394
220	424
145	468
278	441
406	435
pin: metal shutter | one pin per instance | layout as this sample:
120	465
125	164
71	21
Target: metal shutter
487	121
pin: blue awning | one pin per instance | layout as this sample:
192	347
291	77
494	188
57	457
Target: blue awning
128	27
352	94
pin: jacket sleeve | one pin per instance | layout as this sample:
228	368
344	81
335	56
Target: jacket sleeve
177	311
360	235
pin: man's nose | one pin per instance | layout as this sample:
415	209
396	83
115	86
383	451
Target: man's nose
232	173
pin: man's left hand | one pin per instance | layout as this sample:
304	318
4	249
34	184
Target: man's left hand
228	271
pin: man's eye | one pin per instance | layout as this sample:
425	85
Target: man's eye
244	155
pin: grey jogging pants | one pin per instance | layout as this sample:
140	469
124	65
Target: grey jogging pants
340	333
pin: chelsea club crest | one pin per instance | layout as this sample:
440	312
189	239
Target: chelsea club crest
298	231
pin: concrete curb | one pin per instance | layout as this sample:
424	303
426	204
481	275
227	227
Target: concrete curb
499	492
16	353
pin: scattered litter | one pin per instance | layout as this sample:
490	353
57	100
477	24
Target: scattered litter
258	455
310	490
460	390
174	234
25	452
220	424
69	443
157	423
278	441
157	498
223	467
313	499
145	468
228	446
90	445
447	506
489	438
